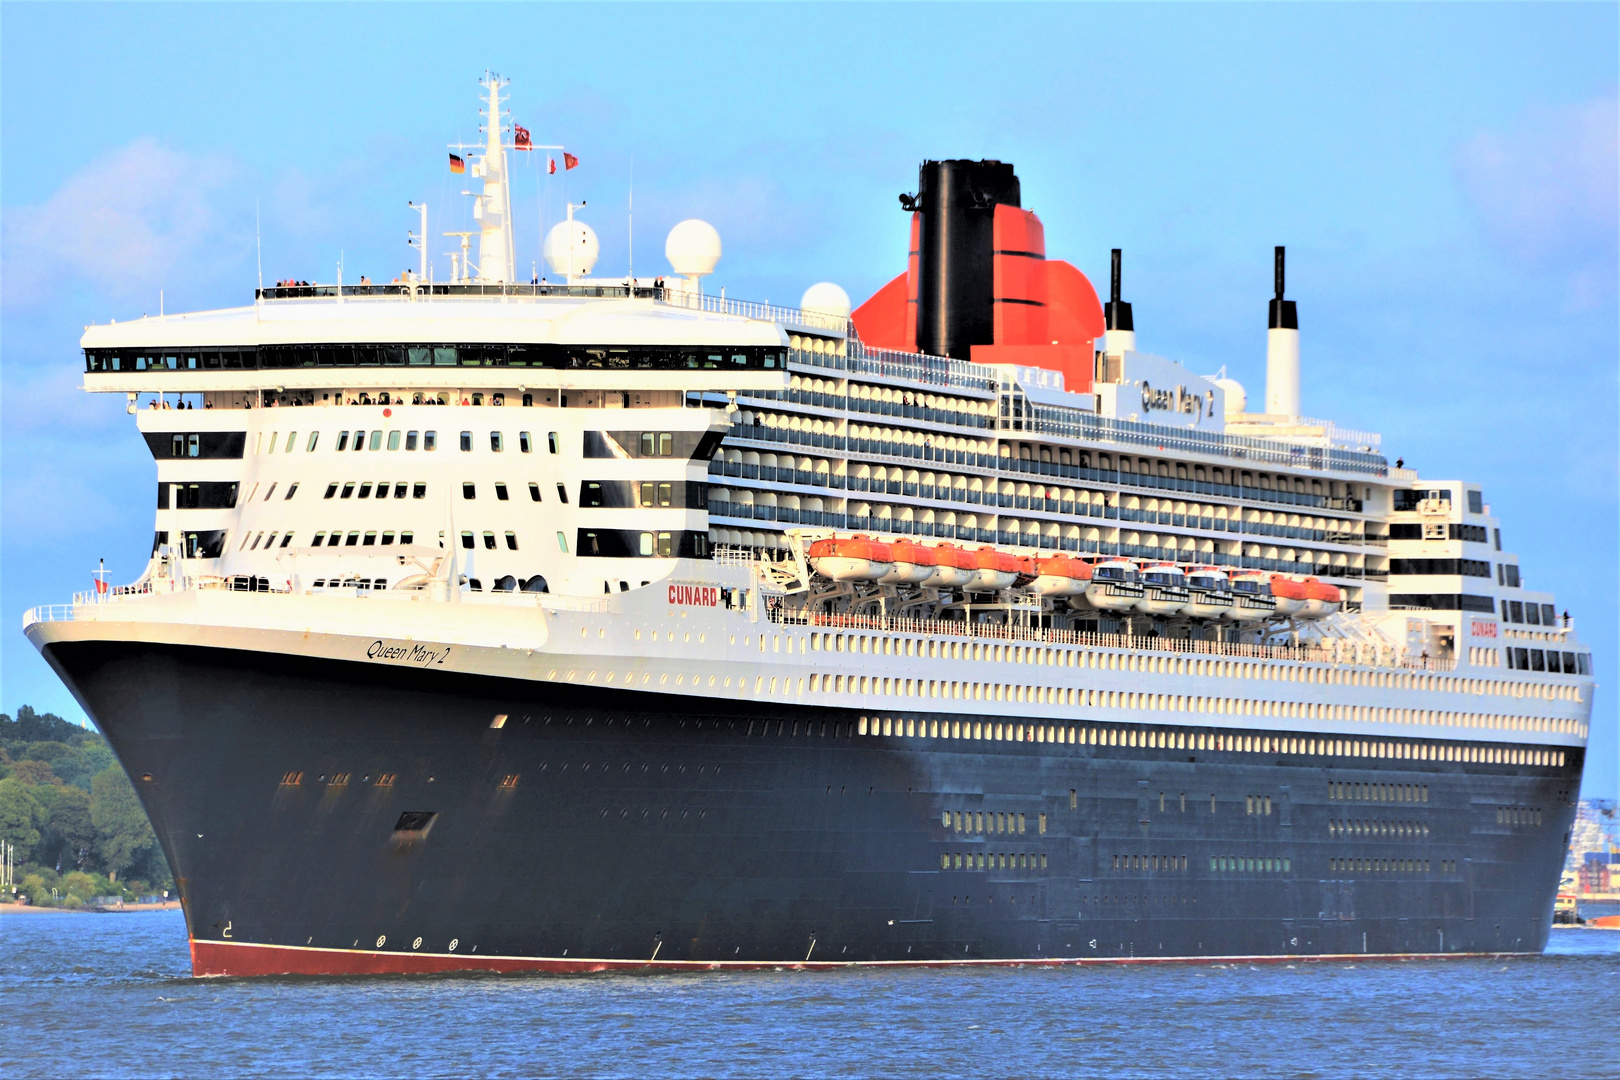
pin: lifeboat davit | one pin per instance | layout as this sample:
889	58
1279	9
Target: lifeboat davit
911	564
1060	575
1289	594
851	558
1113	586
1164	589
1211	593
952	569
993	571
1251	597
1321	599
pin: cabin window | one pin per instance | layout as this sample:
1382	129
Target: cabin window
551	441
410	440
467	540
370	540
469	491
292	442
406	537
511	541
466	440
524	446
393	440
500	492
365	491
562	494
376	440
562	543
291	491
399	490
495	442
419	491
320	536
534	492
430	440
285	540
343	440
348	489
351	540
387	539
489	541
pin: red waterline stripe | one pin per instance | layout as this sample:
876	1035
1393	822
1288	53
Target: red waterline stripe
231	958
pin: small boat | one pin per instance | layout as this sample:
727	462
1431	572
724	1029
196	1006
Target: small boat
912	564
851	558
1164	590
1251	597
1211	593
1060	575
994	571
1289	594
952	569
1321	599
1114	586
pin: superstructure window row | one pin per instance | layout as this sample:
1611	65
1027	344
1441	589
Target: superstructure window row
381	489
548	356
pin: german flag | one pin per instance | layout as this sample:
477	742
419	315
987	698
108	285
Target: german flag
457	165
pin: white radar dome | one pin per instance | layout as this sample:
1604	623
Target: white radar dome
693	248
1237	398
825	298
585	248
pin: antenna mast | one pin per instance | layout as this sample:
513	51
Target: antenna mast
419	240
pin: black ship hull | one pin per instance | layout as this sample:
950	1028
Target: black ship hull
327	817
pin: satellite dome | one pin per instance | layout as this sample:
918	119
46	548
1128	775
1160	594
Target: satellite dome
585	248
825	298
1237	398
693	248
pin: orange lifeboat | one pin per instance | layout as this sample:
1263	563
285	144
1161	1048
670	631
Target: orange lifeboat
912	564
994	571
1321	599
952	567
1289	594
852	558
1060	575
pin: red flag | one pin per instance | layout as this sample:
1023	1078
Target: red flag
569	160
551	165
457	165
520	137
101	586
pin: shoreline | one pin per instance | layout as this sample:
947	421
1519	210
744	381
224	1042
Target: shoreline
38	909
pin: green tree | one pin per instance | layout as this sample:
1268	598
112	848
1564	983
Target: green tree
70	831
21	816
123	834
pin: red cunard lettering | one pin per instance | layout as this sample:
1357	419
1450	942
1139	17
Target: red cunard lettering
694	595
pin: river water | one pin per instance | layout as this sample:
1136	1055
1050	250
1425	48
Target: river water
111	995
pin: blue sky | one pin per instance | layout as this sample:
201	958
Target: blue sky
1444	177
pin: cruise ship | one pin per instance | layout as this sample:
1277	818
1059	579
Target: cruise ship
605	623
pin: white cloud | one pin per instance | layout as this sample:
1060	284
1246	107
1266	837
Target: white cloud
1546	188
126	223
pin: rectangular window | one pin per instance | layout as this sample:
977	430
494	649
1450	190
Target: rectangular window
500	492
466	440
393	440
562	543
646	547
348	489
495	442
511	541
343	440
351	540
419	490
430	440
534	492
271	490
467	540
399	489
562	494
335	539
666	545
468	490
359	440
524	445
406	537
320	536
551	441
370	540
292	490
285	540
387	539
292	442
364	492
489	541
376	440
410	440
